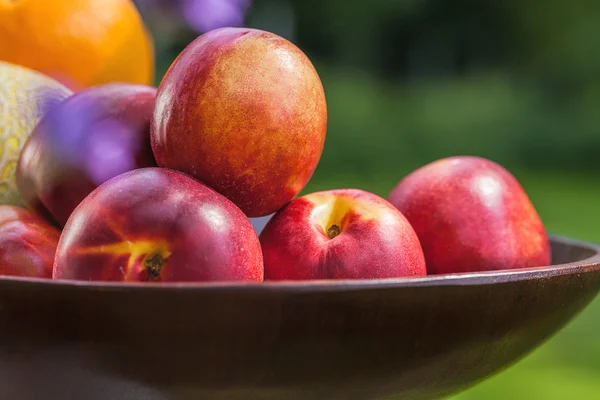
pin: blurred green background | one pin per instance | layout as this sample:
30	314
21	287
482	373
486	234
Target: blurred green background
410	81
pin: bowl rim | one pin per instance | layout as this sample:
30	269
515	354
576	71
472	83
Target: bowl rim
588	264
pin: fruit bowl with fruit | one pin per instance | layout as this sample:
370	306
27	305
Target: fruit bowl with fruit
135	271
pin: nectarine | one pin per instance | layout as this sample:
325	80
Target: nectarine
27	243
92	136
243	111
155	224
471	214
340	234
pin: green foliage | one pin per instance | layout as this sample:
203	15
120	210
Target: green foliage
414	80
376	125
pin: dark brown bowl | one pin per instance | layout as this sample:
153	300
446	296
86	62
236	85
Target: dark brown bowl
412	338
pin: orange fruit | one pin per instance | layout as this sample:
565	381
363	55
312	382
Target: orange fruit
80	43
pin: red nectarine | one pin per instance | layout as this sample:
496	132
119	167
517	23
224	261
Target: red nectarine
155	224
89	138
27	243
243	111
471	215
340	234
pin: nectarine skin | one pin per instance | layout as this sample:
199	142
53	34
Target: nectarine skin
340	234
27	243
244	111
94	135
471	214
155	224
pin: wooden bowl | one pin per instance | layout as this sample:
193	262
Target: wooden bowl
412	338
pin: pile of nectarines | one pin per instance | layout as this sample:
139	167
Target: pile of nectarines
132	183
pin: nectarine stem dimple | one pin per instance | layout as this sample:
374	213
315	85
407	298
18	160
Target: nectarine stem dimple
153	265
333	231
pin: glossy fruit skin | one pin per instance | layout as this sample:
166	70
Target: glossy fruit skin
471	215
25	96
374	239
27	243
156	216
93	136
243	111
81	43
